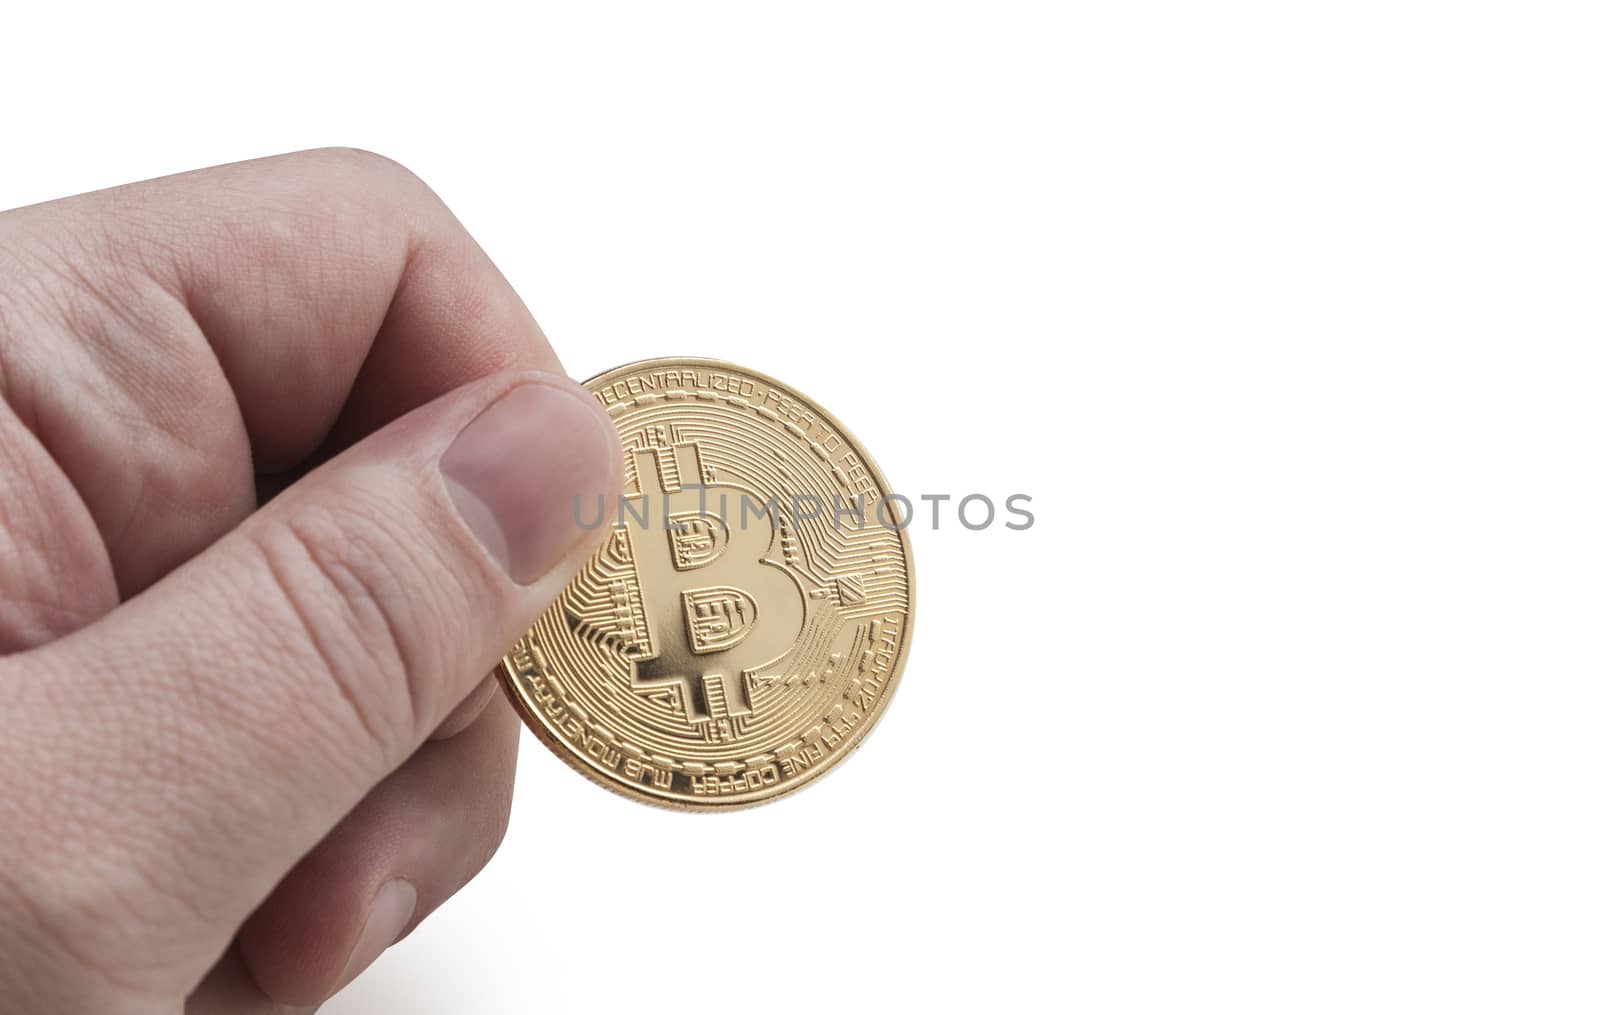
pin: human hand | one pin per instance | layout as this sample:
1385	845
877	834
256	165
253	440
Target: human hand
242	750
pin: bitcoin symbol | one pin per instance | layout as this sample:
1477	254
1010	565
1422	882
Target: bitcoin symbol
716	604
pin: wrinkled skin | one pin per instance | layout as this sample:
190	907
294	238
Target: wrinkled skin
243	629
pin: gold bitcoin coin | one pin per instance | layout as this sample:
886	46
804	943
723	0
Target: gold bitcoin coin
748	616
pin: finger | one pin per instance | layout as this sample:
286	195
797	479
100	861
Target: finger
250	309
54	573
244	704
411	844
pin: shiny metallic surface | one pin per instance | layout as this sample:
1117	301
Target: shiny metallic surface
744	625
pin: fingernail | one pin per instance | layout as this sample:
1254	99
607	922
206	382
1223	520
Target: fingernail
391	911
517	470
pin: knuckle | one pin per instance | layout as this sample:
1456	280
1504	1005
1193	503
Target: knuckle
368	173
335	578
375	608
365	160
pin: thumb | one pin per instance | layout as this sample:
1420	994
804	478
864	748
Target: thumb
203	736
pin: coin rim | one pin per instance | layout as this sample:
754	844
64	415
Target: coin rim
541	729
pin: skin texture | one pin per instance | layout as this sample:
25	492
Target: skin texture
226	725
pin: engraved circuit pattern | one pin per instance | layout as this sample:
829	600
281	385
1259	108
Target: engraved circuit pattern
747	618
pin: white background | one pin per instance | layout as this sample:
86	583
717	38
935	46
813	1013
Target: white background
1284	314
